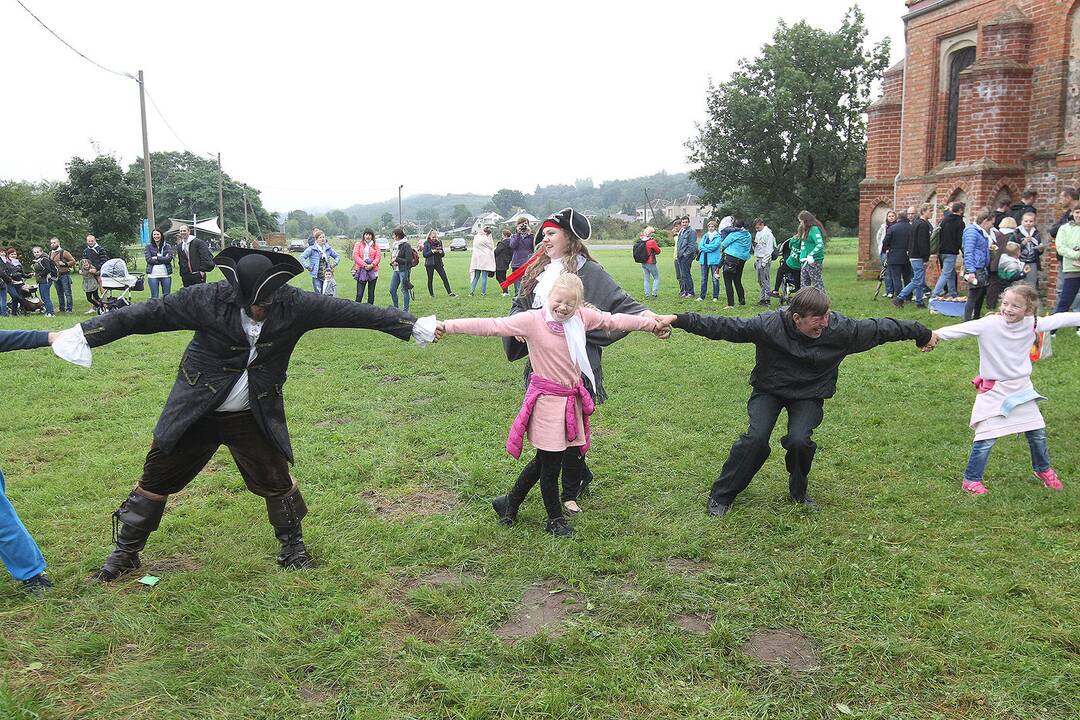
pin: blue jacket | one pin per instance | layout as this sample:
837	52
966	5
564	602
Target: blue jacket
310	258
686	245
164	256
709	245
976	249
22	339
737	244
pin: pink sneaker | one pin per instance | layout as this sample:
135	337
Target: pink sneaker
975	487
1050	479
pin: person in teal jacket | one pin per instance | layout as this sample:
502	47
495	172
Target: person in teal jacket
812	250
709	256
736	247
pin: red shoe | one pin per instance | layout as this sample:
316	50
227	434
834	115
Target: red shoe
1050	479
975	487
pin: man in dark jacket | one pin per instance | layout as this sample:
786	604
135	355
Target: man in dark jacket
950	240
895	244
1026	205
228	390
685	251
94	252
193	256
799	351
918	256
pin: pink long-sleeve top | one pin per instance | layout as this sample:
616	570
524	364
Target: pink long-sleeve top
550	358
369	252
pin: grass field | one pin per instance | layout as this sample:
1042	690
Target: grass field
919	602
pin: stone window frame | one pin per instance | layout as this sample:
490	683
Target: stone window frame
948	46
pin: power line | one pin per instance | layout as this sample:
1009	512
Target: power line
169	125
71	47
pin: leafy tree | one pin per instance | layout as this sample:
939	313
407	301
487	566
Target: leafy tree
186	184
386	219
461	214
506	200
303	222
428	217
98	190
341	221
30	214
292	228
786	132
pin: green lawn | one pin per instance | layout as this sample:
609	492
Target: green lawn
922	602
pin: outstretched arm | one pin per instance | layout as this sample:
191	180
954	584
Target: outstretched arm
716	327
519	325
24	339
868	334
177	311
326	311
598	320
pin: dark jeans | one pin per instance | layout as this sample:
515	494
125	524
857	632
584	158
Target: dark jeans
751	450
545	468
707	272
896	276
63	291
1069	288
733	277
500	277
431	270
975	297
686	275
370	284
264	469
45	293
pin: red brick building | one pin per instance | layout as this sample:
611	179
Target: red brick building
985	103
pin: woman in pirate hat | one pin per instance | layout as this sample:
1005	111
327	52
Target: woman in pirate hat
228	390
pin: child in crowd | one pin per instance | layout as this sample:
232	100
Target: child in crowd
1010	268
1006	402
555	412
329	286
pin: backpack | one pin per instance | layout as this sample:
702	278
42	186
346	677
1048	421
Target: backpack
641	254
935	240
414	257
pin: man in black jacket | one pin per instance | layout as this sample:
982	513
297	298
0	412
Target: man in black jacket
228	390
950	240
918	256
799	351
895	244
193	257
94	252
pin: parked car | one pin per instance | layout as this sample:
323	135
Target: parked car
383	243
297	245
458	244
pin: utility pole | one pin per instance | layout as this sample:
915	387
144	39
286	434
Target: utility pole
221	201
245	210
146	158
400	225
647	206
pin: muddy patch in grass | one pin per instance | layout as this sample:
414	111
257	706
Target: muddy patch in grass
423	400
684	566
545	607
315	694
326	630
694	623
171	563
788	648
333	422
426	628
391	378
415	504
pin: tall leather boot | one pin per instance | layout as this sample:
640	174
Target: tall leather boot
133	521
285	513
506	506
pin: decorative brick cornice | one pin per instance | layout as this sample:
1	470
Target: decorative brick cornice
997	66
1012	17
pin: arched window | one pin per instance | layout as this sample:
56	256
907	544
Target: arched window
958	62
877	219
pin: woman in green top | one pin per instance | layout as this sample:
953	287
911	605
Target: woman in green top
811	250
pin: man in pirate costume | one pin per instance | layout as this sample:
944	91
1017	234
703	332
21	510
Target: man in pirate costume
553	257
228	390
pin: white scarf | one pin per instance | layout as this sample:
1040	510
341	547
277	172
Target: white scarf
574	330
544	281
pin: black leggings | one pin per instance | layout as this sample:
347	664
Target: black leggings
545	468
431	270
733	276
360	284
94	298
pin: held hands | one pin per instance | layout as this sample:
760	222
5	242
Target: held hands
663	326
929	346
440	330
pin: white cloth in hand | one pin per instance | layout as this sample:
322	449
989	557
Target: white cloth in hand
423	331
71	345
809	260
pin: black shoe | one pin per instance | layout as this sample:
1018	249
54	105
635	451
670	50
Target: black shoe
505	509
921	305
586	480
118	564
294	555
37	586
285	513
133	521
717	509
559	527
806	501
898	302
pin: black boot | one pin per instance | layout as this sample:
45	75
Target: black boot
559	527
133	521
506	509
285	513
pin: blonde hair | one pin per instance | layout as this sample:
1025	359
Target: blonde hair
1008	223
570	281
1028	294
649	230
575	247
1012	249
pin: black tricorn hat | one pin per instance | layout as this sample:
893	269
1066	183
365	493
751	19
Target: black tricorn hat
571	221
256	274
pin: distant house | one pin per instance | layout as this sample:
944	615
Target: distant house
624	217
645	214
690	204
490	218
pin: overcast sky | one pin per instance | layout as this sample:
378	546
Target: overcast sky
329	103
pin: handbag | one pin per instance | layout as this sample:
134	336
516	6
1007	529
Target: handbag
1041	348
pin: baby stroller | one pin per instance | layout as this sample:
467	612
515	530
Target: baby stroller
116	285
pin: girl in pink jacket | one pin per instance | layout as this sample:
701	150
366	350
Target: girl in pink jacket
555	412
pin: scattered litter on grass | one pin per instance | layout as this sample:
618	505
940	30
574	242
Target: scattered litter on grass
545	607
789	648
149	580
415	504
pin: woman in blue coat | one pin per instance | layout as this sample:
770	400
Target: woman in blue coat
710	256
736	247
